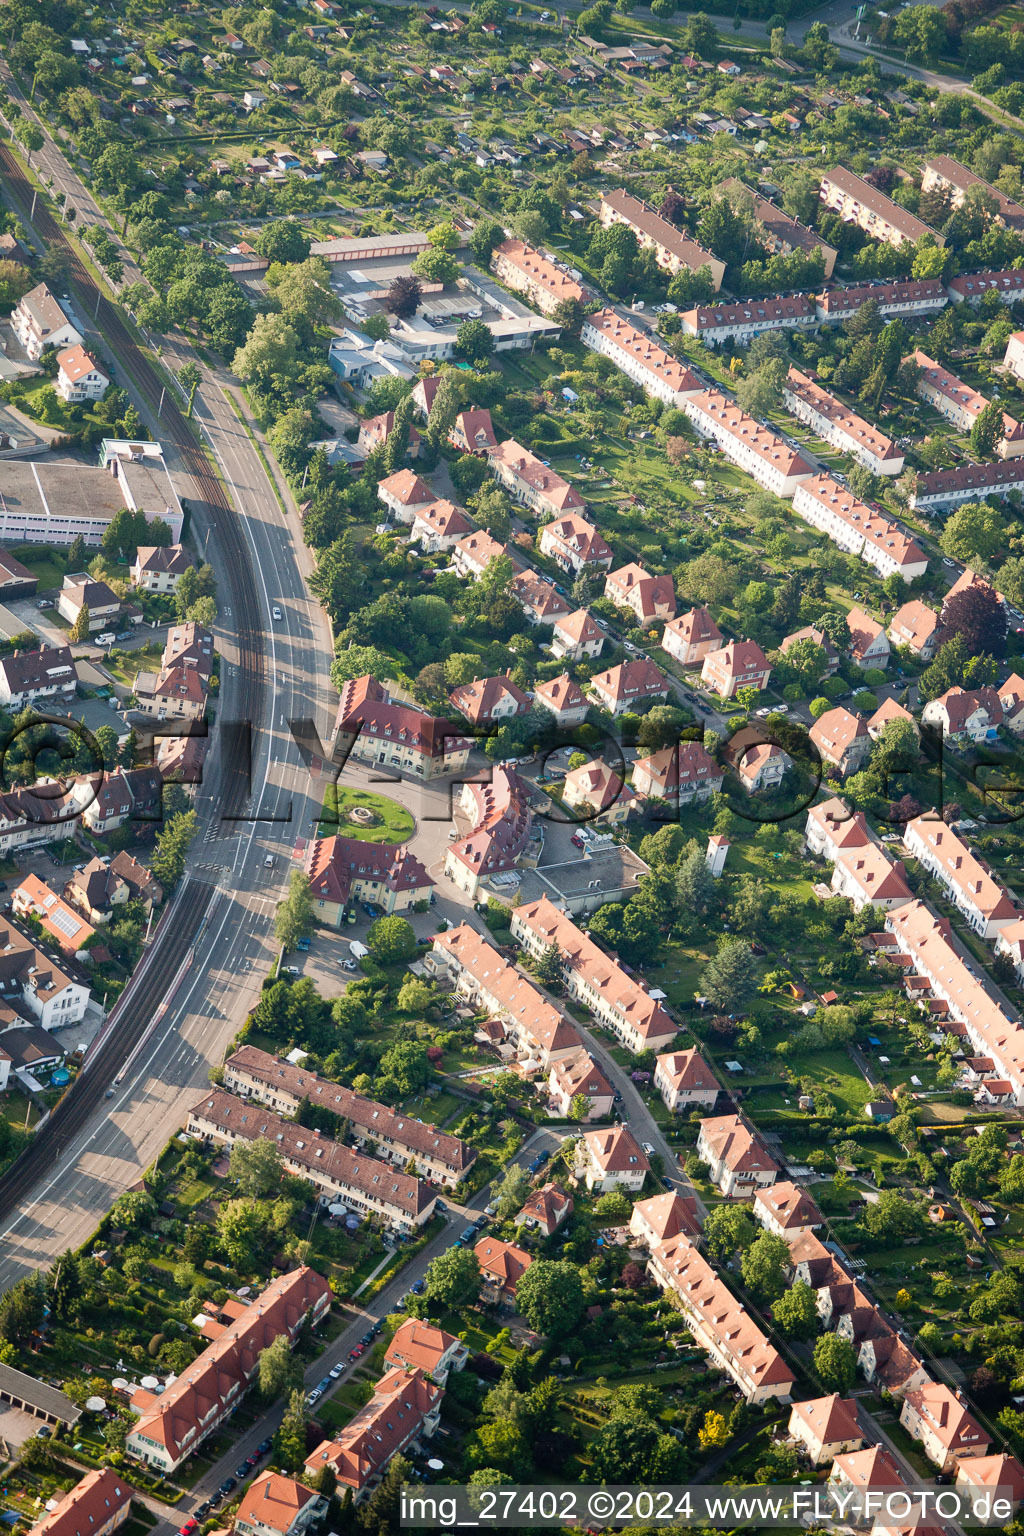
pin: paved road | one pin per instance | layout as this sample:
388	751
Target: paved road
236	948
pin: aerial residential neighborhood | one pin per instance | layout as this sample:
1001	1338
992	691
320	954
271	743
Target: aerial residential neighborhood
512	704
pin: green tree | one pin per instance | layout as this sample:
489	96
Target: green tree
436	266
474	341
391	940
972	533
764	1265
277	1369
65	1286
290	1439
795	1312
835	1363
550	1295
240	1231
728	1227
729	978
172	845
453	1279
510	1191
256	1167
294	918
987	430
282	240
80	629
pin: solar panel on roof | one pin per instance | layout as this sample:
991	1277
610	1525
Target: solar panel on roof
66	922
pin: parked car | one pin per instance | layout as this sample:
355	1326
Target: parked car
367	1338
227	1486
467	1235
265	1447
303	944
243	1470
419	1287
647	1148
337	1371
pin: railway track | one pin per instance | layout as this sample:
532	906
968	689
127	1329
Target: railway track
163	959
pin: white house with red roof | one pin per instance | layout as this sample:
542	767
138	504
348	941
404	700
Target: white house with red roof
982	1474
757	450
405	1408
889	710
1011	698
965	714
870	878
856	1475
858	528
916	626
490	699
395	737
869	643
785	1209
740	664
173	1424
826	1427
439	527
579	1074
342	870
97	1504
538	598
684	1079
836	424
574	544
681	774
842	739
420	1346
502	1266
594	978
273	1505
473	554
662	1217
719	1323
938	1418
738	1160
831	825
562	697
648	597
531	482
473	432
598	790
611	1158
501	826
486	979
79	376
984	901
545	1210
640	357
621	688
576	637
691	637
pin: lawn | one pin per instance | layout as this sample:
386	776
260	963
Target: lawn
367	817
433	1109
124	665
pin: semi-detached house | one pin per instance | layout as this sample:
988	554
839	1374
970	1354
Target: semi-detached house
716	324
753	448
95	1506
858	529
857	202
540	1033
691	636
405	1408
541	280
28	676
684	1079
937	1417
648	597
610	1158
174	1424
283	1087
718	1322
378	731
574	544
673	249
740	664
39	320
839	426
640	357
985	903
592	978
531	482
338	1174
738	1159
619	688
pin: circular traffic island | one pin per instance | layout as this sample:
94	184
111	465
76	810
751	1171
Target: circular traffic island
361	814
